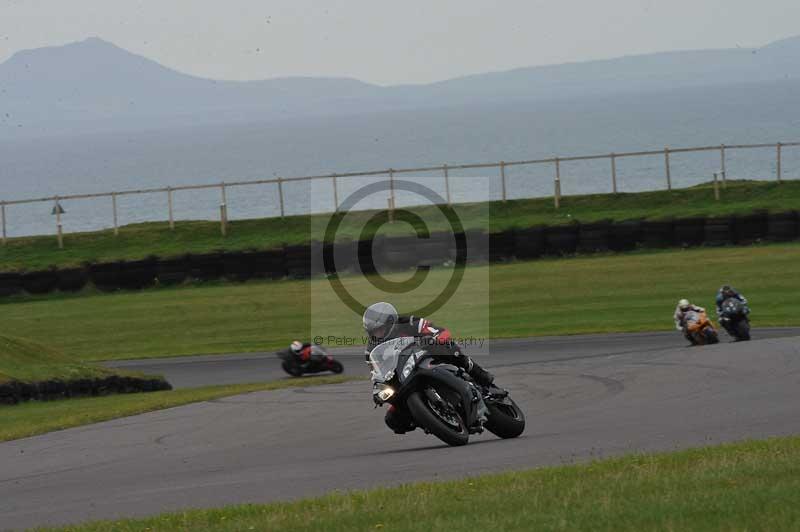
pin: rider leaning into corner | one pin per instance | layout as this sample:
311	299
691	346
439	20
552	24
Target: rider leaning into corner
382	323
683	307
305	352
727	292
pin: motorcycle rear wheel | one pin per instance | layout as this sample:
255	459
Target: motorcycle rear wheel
447	426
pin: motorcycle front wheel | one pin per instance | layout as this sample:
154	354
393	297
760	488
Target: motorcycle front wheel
743	330
505	418
438	416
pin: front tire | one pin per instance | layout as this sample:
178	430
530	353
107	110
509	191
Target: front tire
743	330
424	412
505	419
337	367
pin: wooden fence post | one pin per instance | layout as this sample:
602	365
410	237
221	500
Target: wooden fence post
114	207
335	194
3	216
557	192
280	194
614	173
447	184
666	167
722	166
716	187
169	203
503	178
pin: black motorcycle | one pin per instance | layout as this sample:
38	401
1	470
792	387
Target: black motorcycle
440	398
319	362
734	318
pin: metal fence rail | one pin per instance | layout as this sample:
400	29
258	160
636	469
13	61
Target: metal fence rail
445	170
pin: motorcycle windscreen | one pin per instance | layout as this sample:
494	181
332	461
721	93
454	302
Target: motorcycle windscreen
384	358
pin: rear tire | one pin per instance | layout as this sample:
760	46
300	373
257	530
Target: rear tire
505	420
425	417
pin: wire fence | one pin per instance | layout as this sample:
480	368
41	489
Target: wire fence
445	173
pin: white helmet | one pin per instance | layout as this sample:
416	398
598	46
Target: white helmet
379	320
296	347
684	304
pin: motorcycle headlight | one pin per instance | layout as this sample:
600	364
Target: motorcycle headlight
384	393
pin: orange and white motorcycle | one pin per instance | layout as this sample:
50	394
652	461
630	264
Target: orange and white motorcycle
699	329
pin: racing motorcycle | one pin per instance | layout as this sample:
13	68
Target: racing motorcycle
319	362
699	328
441	399
734	318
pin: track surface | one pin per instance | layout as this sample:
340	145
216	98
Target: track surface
189	372
584	397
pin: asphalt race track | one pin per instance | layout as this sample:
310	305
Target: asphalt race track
584	397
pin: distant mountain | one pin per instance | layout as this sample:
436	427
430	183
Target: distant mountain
94	85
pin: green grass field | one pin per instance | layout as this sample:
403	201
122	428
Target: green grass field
27	361
141	240
628	292
745	486
30	419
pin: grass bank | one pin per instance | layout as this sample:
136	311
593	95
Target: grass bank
745	486
30	419
26	361
31	371
612	293
142	240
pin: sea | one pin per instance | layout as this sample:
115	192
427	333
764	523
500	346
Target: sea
505	131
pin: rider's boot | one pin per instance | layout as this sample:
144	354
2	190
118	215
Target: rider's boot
479	375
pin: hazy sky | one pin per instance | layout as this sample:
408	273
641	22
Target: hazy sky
390	42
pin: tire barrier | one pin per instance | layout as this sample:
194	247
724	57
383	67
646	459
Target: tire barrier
561	239
298	261
206	267
270	264
783	226
719	231
10	284
501	246
137	274
105	276
72	279
657	233
689	231
750	228
40	282
14	392
238	266
172	271
477	246
529	243
624	236
399	253
594	237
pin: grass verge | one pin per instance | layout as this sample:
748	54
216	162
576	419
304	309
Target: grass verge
595	294
744	486
30	419
140	240
27	361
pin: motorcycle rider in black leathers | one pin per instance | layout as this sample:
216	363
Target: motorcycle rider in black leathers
382	323
726	292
